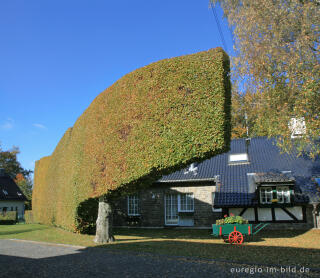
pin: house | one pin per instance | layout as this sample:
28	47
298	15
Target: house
253	180
11	197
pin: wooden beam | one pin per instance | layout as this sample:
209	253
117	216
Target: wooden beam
290	214
273	213
256	214
243	211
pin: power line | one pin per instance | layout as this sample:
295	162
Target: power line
219	27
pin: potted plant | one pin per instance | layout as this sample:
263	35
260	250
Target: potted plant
232	219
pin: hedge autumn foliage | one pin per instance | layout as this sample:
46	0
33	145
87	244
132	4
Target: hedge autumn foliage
154	120
28	217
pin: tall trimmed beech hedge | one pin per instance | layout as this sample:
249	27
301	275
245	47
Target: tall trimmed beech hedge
154	120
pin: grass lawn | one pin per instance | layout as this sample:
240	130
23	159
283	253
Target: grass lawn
295	248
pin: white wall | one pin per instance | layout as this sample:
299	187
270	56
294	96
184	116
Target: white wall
282	215
248	214
13	204
265	214
201	193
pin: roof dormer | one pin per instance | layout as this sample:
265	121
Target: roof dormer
238	158
275	188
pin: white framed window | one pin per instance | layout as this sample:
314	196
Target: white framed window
213	198
175	203
186	202
133	205
283	194
171	209
266	195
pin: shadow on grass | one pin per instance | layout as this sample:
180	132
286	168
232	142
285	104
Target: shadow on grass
20	231
203	234
165	233
173	259
132	240
250	254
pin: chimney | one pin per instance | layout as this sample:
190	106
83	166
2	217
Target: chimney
247	127
297	127
248	139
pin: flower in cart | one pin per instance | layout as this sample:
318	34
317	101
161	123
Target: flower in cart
231	214
232	220
226	215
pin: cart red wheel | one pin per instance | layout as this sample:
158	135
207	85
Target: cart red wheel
235	237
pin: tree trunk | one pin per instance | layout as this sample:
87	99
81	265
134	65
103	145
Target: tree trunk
104	222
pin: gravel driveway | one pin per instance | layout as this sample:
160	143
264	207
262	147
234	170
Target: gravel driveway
31	259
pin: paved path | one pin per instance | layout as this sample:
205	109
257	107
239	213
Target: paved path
31	259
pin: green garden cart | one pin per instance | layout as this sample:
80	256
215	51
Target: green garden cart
234	233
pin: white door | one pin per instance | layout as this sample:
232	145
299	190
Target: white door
171	209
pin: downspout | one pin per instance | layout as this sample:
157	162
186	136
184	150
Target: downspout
315	213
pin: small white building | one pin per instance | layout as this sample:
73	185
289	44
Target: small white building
11	197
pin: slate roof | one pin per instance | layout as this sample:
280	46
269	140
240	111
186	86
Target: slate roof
9	191
273	178
264	157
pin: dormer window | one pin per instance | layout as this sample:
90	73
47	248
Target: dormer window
283	195
266	195
19	194
239	158
272	195
5	192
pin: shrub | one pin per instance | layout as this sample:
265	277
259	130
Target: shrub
9	217
219	221
133	220
28	217
151	122
232	219
87	213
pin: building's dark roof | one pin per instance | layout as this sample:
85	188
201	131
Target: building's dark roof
273	178
9	191
264	157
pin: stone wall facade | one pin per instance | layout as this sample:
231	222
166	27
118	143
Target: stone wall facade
152	207
152	212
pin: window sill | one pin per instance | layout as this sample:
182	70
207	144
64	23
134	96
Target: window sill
216	210
186	212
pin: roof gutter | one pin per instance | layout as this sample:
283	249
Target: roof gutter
190	180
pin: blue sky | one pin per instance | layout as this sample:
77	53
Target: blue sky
57	56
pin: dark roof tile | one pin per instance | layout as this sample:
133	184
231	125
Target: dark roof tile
265	157
9	191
